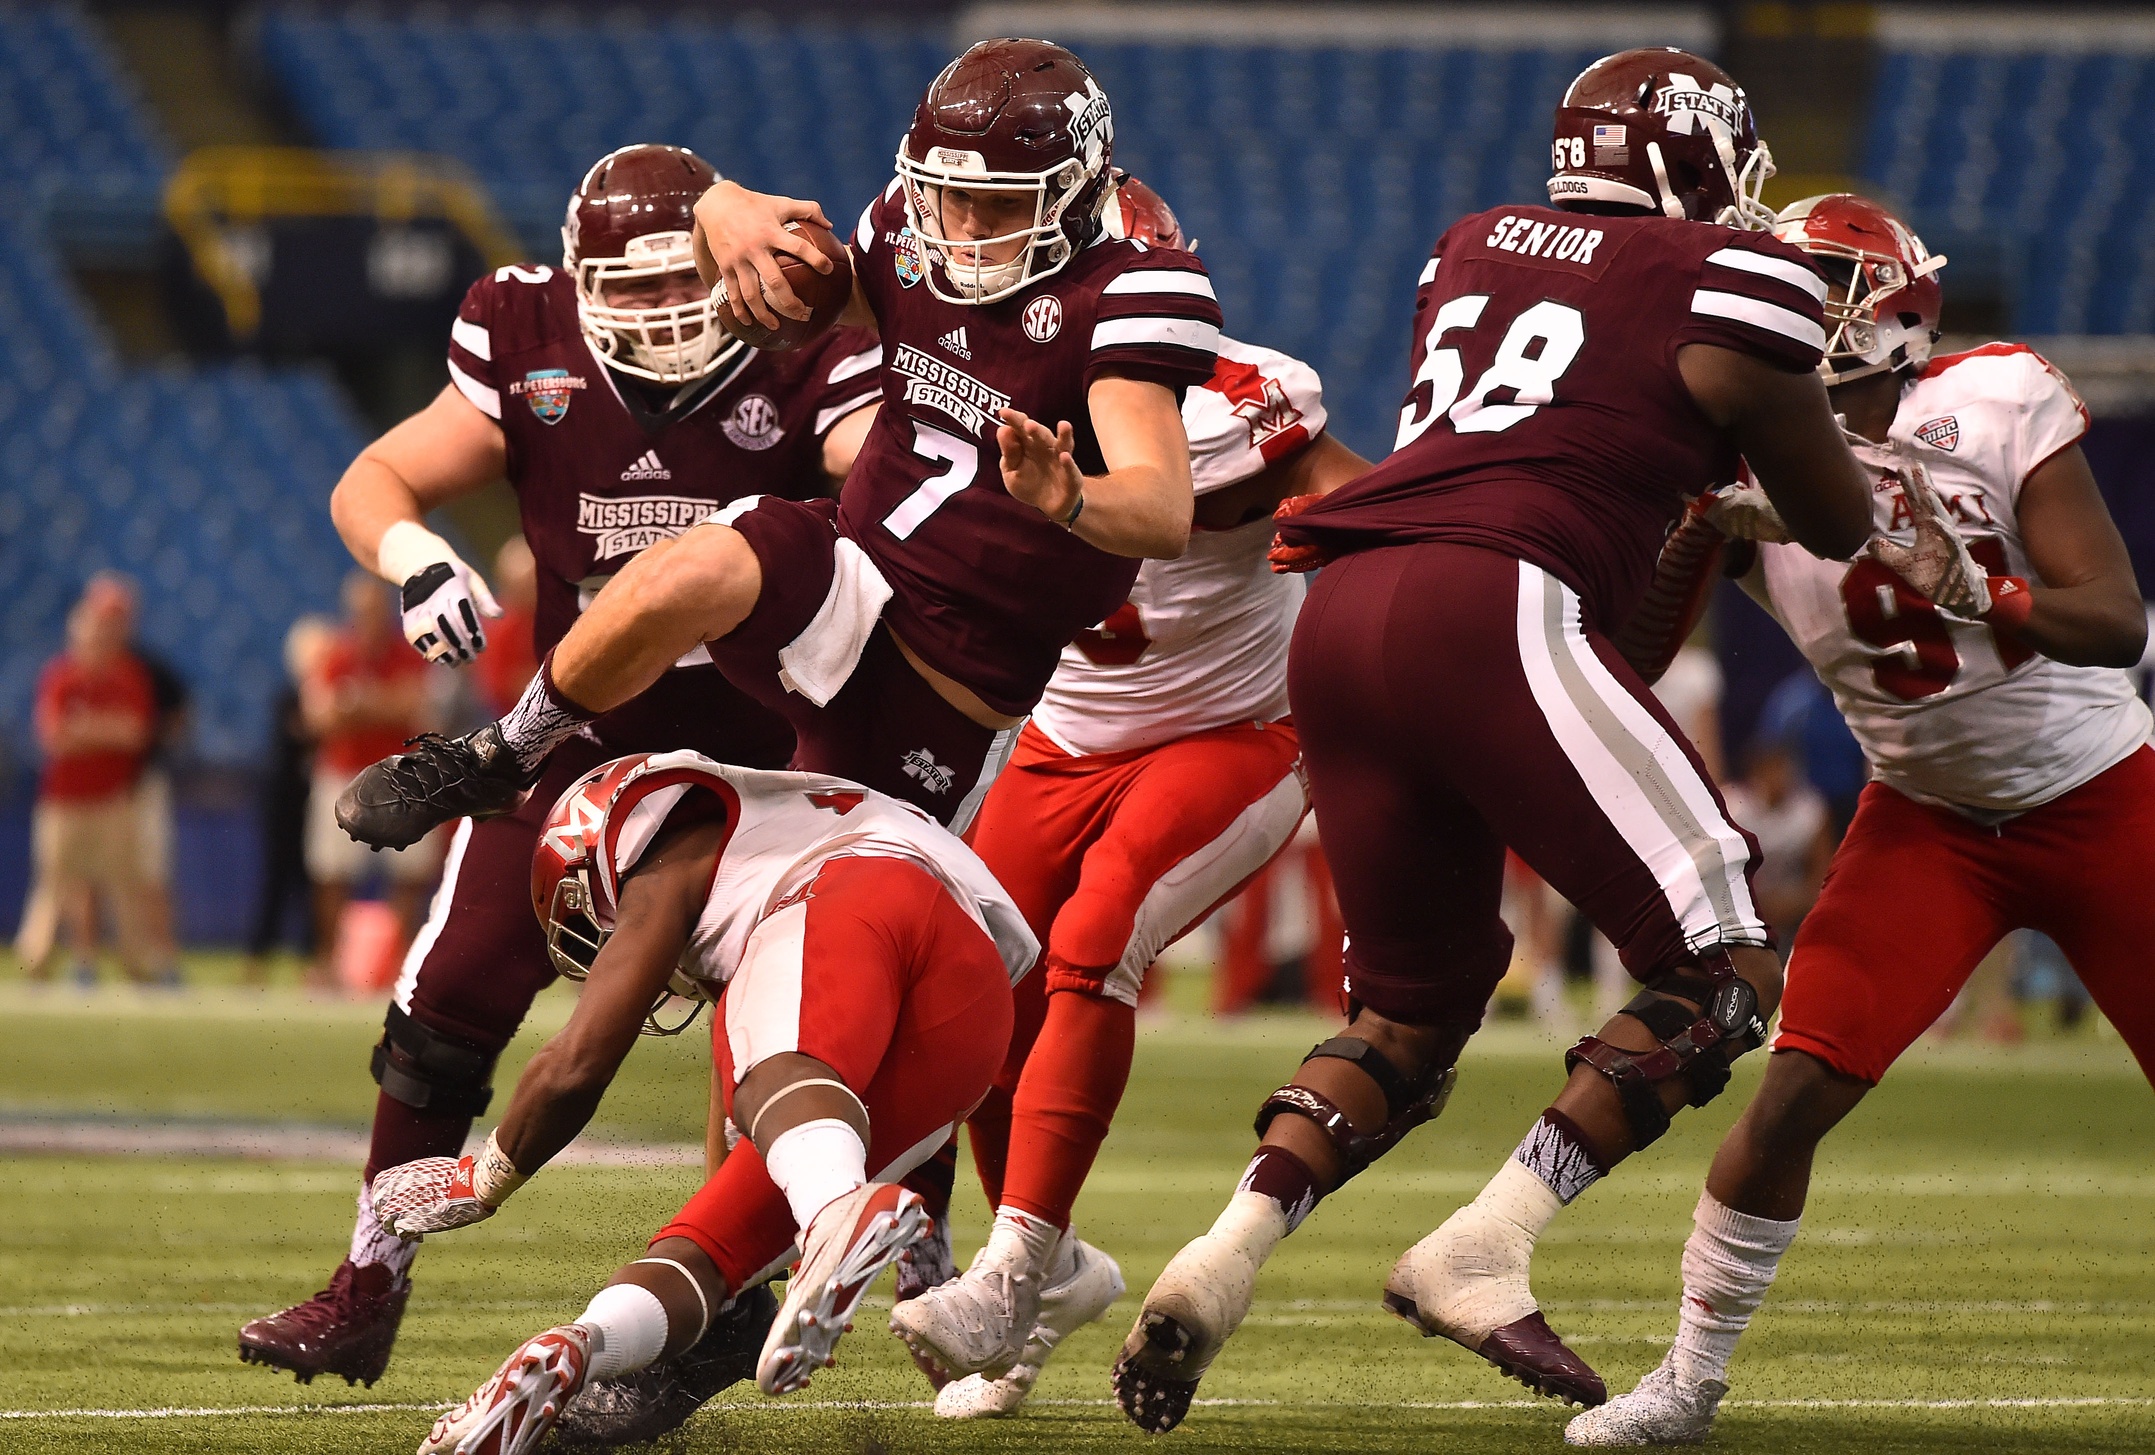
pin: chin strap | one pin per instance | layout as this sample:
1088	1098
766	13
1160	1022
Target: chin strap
1408	1102
1698	1045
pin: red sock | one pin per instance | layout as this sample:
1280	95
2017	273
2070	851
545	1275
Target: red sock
1072	1084
407	1133
988	1130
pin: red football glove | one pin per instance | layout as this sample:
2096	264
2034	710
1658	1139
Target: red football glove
1286	557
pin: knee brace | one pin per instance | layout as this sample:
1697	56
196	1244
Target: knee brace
1408	1103
429	1071
1696	1044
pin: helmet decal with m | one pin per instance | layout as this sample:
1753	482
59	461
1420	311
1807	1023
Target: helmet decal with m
1020	117
1886	299
596	832
1664	131
630	219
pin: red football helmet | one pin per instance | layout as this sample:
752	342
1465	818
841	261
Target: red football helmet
1662	130
575	873
1885	299
1017	116
631	218
1134	210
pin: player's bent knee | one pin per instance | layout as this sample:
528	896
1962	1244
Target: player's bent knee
1704	1015
1409	1098
430	1071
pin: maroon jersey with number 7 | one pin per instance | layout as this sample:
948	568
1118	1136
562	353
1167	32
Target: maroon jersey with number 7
984	587
1546	418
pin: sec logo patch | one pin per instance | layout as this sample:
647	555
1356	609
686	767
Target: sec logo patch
1043	318
753	425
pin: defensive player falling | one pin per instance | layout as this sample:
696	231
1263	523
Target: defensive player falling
621	414
1579	371
865	956
1158	775
1976	652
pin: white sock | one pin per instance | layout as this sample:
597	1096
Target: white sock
1729	1263
628	1329
1020	1241
1062	1262
1253	1222
815	1164
371	1244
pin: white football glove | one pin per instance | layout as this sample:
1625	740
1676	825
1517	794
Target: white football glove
444	600
435	1194
1938	565
1743	513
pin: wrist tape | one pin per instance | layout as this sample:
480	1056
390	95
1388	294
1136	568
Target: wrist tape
493	1175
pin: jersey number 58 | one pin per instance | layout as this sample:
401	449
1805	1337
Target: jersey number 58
1533	354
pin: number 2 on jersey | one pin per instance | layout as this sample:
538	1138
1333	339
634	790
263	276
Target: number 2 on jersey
930	443
1535	351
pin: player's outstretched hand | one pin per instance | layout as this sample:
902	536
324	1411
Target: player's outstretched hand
1938	565
736	237
1743	513
444	608
431	1195
1040	467
1286	557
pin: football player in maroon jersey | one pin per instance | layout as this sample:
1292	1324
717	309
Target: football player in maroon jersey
1579	370
621	415
906	632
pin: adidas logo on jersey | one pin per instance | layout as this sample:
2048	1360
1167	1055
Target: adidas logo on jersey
647	468
955	342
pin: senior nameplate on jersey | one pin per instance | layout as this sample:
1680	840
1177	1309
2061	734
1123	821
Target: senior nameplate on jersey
1546	417
606	466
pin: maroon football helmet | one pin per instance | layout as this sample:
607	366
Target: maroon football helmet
1134	210
1016	116
631	218
1886	299
1664	131
575	884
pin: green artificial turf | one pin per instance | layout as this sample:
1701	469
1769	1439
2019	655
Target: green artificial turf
1979	1235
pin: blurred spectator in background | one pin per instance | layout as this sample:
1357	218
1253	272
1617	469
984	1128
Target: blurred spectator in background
1801	714
153	799
282	805
1691	691
508	664
1794	829
362	699
96	718
1281	938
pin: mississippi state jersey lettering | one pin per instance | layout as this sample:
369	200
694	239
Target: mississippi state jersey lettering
1202	640
598	479
1946	711
985	588
781	829
1546	418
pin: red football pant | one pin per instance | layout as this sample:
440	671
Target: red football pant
1111	857
879	974
1918	895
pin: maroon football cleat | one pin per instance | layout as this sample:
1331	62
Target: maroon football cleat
348	1328
1526	1349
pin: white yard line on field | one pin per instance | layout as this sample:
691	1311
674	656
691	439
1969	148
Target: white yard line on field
778	1407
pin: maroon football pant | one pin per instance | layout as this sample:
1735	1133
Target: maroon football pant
1451	702
886	728
480	958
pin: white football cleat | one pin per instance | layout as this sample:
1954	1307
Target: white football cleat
850	1242
1092	1287
977	1323
512	1412
1194	1308
1665	1409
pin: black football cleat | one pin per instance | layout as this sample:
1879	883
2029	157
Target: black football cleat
658	1400
1154	1396
347	1329
397	802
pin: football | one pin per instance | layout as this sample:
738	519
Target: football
826	295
